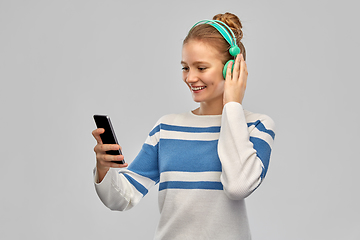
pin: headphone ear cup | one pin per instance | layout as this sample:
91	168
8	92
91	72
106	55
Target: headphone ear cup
234	50
226	66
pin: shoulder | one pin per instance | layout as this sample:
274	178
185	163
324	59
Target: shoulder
171	118
237	110
253	117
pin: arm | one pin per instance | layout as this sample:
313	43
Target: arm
124	189
244	150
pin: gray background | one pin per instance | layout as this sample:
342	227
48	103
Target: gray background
63	61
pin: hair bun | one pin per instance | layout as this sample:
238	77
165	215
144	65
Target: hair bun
233	22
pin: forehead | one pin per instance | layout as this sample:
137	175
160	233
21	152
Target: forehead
199	51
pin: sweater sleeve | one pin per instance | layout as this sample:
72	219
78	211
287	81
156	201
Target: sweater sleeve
123	189
244	150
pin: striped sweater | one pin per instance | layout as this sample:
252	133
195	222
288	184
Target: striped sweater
205	166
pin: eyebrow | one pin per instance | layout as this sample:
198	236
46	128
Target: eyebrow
196	62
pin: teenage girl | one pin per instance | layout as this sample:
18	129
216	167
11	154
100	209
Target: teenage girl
206	161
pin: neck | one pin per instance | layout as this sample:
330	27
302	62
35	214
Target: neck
206	108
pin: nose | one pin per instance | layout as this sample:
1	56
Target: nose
191	76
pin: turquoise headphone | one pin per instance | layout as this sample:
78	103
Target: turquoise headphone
229	36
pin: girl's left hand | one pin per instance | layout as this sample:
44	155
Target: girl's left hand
235	83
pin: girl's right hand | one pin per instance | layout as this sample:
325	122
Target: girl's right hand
104	160
235	83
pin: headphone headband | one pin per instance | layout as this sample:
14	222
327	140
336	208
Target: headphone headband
225	31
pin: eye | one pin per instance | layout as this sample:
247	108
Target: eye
184	69
202	68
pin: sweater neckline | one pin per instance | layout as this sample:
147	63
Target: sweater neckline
204	116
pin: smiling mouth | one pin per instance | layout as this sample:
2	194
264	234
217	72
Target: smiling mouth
197	88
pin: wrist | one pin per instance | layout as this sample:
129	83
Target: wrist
232	101
101	172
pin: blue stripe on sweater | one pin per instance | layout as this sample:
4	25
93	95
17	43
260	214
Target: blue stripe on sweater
146	163
258	124
167	127
155	130
136	184
263	151
191	185
188	156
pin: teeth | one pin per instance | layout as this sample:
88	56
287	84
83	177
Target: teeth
197	88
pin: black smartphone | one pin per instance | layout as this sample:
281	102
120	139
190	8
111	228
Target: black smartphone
108	137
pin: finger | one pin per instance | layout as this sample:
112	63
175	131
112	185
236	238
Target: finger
228	71
101	148
116	165
237	67
114	158
243	64
96	133
244	71
106	159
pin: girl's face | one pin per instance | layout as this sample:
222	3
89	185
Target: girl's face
202	72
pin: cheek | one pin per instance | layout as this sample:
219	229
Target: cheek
217	76
219	85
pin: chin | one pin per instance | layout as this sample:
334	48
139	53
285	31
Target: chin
197	100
